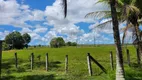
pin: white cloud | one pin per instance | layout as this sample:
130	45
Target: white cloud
26	30
35	36
25	7
17	15
2	34
40	30
37	15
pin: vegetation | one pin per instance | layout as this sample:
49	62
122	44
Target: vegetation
57	42
71	43
138	4
5	46
126	11
16	40
119	56
27	39
78	69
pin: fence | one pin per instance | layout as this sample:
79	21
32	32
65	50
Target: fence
89	59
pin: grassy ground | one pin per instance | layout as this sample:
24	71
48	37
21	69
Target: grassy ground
77	64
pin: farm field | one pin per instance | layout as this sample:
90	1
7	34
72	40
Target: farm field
78	69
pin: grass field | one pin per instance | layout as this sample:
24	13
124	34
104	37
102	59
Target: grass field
78	69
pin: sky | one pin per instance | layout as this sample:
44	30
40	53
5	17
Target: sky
44	20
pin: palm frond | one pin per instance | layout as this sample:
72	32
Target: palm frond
129	12
99	14
65	7
103	25
124	35
104	1
140	34
125	29
133	2
135	9
120	3
134	38
140	21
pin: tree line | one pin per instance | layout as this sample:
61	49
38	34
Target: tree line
16	40
58	42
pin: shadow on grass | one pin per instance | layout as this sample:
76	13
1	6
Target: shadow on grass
8	78
98	74
39	77
135	65
32	77
53	64
41	65
135	72
7	63
103	61
133	77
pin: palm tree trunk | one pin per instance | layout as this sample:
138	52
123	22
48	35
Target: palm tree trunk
119	58
0	57
139	46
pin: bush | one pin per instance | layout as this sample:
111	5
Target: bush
74	44
5	46
71	44
57	42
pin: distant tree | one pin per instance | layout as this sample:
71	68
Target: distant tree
60	42
15	40
69	43
53	43
39	45
5	46
27	39
57	42
74	44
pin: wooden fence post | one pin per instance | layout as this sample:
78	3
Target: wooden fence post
89	64
32	60
66	63
0	57
16	61
47	64
98	64
138	57
111	60
128	57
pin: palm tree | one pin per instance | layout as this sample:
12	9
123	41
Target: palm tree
127	11
138	3
0	57
136	41
119	58
120	68
133	19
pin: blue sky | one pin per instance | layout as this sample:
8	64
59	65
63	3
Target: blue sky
44	20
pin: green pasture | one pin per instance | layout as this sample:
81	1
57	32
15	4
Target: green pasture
78	69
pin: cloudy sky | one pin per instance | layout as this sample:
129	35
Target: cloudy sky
44	20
